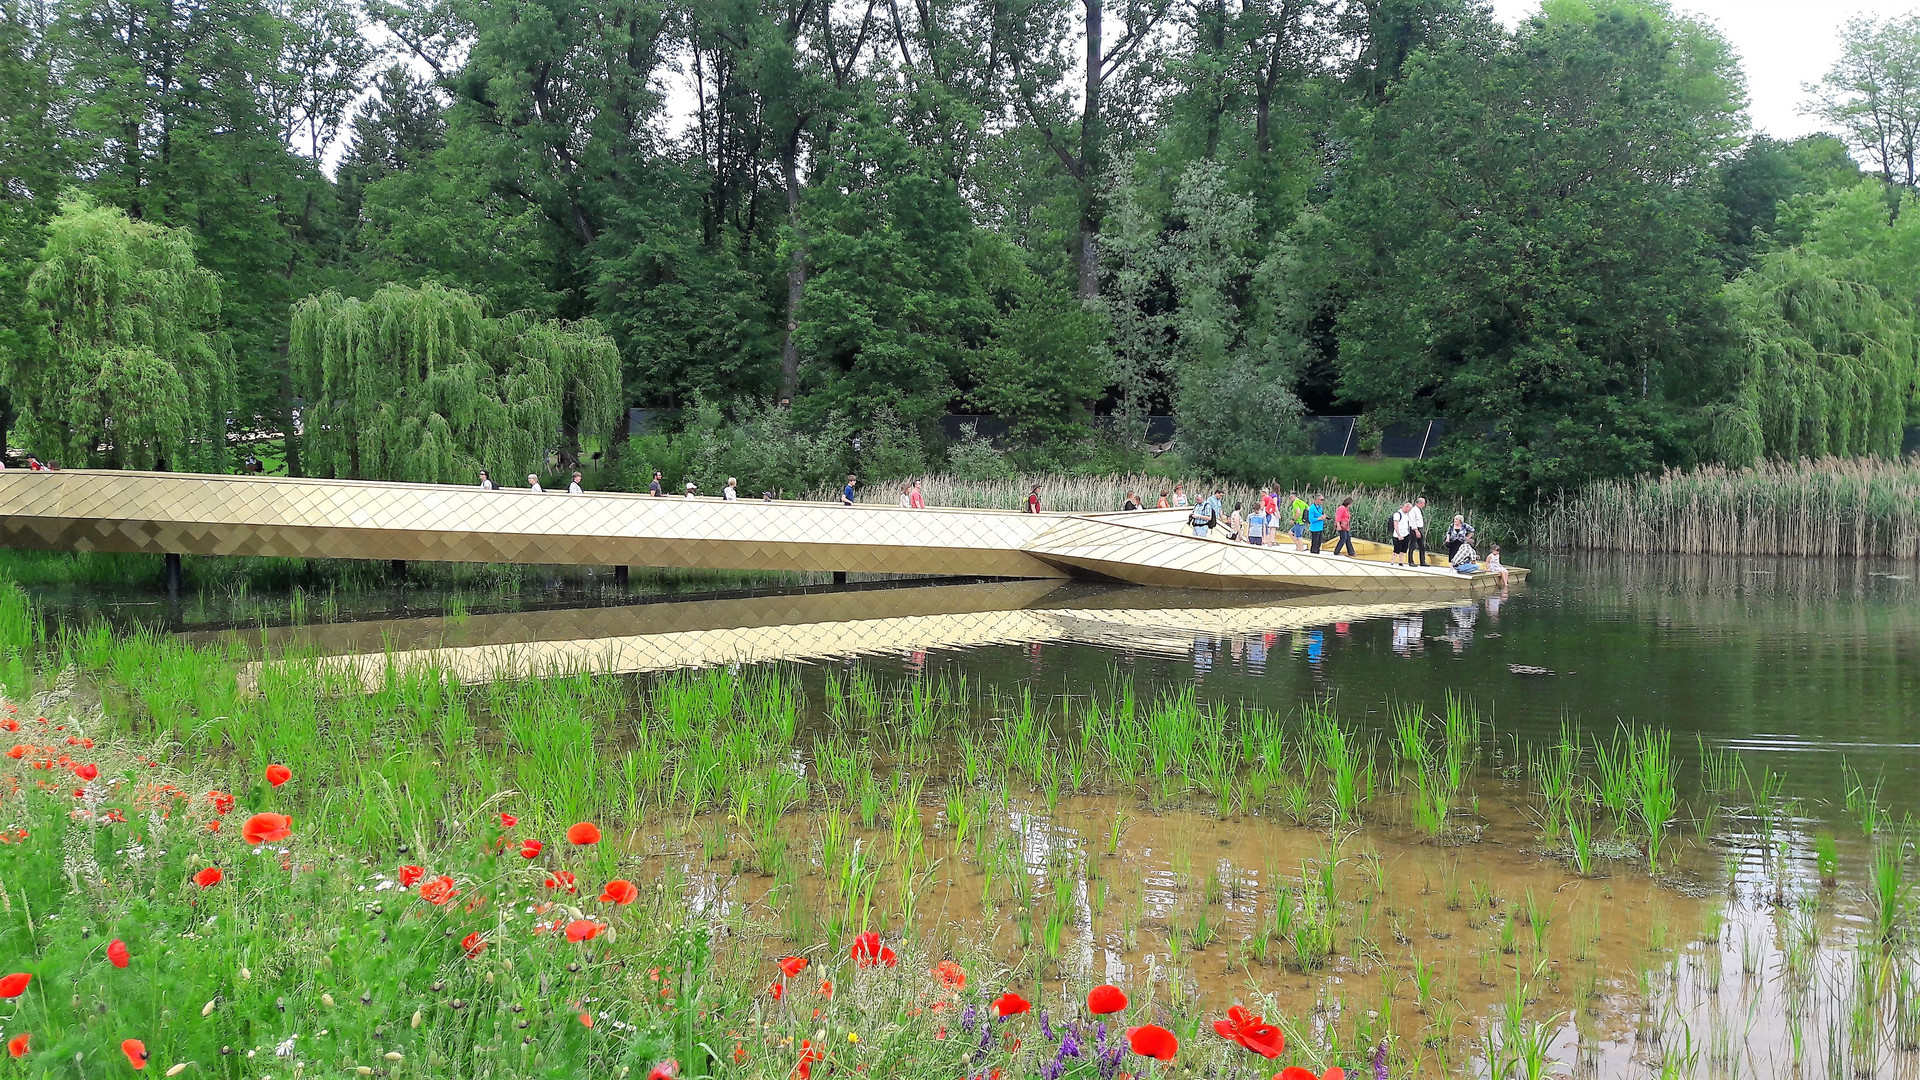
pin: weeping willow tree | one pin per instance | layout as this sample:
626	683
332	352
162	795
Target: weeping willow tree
419	384
133	375
1829	329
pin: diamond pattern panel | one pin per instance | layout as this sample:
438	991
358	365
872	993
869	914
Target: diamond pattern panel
189	514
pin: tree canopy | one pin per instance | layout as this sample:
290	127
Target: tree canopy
472	232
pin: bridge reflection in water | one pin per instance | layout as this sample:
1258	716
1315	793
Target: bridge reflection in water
804	627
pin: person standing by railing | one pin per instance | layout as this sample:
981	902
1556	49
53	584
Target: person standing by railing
1316	525
1343	526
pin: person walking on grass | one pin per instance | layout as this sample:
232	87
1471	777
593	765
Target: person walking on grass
1343	526
1417	536
1316	525
915	500
1402	531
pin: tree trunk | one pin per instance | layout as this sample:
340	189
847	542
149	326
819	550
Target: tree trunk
1088	255
796	273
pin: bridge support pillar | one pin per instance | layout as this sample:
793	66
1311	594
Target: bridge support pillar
620	577
839	577
399	569
173	576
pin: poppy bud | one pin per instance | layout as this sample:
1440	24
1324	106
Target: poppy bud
278	774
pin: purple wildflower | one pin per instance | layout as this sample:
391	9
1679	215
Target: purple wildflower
1070	1044
1380	1061
1046	1027
966	1019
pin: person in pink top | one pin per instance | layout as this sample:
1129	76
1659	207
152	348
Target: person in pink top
1343	525
1269	504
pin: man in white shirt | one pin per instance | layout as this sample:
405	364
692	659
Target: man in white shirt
533	482
1417	534
573	486
1402	528
728	493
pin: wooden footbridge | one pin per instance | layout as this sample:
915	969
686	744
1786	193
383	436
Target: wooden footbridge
191	514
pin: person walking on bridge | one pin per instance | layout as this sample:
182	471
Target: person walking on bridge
656	489
1316	525
1033	500
846	493
1343	526
486	482
1402	532
915	500
1417	538
573	486
533	483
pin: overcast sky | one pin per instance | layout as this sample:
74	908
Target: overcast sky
1783	44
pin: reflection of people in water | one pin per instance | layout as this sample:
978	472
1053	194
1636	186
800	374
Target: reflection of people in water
1257	653
1316	647
917	661
1341	629
1406	634
1202	655
1493	607
1461	632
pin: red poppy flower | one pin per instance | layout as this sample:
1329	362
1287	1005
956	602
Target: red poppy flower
474	944
792	965
1105	999
117	954
530	849
1295	1072
260	828
222	802
1251	1032
868	951
826	988
950	974
136	1052
803	1069
508	821
619	891
12	986
586	1019
278	774
17	752
408	875
778	989
17	1046
562	879
583	930
214	825
209	877
586	832
1010	1004
86	770
439	891
1154	1041
666	1070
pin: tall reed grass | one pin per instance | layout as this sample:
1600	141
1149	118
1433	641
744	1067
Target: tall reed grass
1832	507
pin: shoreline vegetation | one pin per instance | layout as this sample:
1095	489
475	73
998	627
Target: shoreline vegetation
1825	508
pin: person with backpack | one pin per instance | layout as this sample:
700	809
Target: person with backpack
1205	516
1402	528
1297	509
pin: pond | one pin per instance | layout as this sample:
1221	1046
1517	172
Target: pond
1430	820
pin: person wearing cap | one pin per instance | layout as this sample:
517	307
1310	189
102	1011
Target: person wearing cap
690	488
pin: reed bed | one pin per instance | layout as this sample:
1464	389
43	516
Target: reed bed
1832	507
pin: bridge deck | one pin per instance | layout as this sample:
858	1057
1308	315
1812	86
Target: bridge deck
192	514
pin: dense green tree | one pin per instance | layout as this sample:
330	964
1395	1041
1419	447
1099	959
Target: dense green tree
1768	172
1524	236
1829	333
31	172
133	375
420	384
